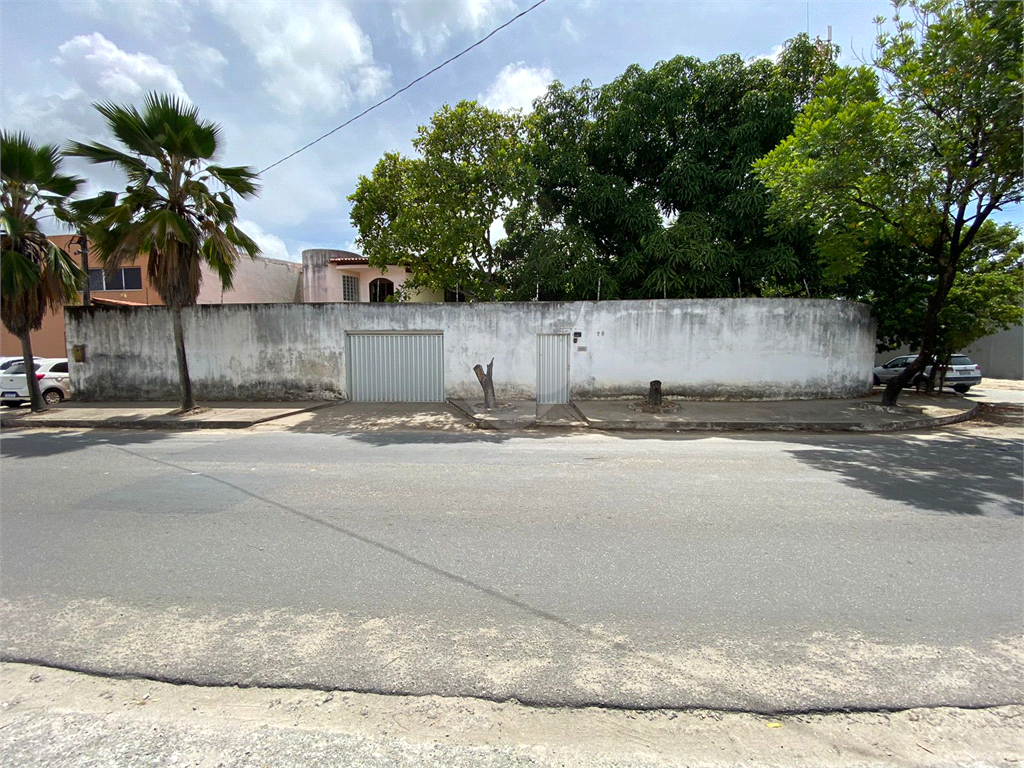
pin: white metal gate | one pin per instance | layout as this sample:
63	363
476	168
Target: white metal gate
553	368
395	367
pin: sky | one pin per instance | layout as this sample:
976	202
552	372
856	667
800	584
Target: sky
277	74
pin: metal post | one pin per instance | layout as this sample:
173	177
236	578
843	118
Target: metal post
83	245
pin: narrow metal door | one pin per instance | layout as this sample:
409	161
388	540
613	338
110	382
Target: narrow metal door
553	368
395	367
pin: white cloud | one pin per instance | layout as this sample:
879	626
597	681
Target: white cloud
271	246
570	31
58	107
516	86
205	62
151	18
101	69
773	56
426	26
497	231
313	54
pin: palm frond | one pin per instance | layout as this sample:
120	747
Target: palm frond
91	208
176	122
97	153
242	240
222	255
130	128
18	273
242	180
24	162
62	186
163	225
63	277
167	210
16	228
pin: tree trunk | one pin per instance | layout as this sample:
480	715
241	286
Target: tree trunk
929	334
187	401
34	396
487	382
654	393
896	383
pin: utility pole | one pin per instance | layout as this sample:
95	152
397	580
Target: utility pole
83	246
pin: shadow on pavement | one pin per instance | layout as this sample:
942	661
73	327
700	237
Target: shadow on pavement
393	437
951	474
18	444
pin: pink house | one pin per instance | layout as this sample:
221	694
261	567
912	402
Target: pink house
330	275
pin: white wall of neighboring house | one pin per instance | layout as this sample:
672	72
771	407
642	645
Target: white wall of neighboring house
716	348
1001	355
256	281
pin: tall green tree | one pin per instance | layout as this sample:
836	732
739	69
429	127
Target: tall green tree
35	275
918	152
654	169
434	213
896	283
177	206
987	294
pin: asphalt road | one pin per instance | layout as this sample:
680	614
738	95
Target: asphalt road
793	573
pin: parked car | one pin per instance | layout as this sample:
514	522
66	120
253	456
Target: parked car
961	374
54	383
7	362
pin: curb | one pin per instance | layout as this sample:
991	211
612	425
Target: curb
775	426
463	412
19	421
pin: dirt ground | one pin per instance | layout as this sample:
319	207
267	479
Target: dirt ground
58	718
1009	384
999	420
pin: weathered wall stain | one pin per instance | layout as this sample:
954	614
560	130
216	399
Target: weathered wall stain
708	348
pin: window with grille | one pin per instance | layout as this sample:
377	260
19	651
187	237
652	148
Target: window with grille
349	288
381	289
124	279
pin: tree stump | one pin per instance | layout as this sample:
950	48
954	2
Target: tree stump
654	394
487	382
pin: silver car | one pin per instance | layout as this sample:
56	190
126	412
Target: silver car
54	382
961	374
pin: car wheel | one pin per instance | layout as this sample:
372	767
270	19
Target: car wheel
875	380
52	396
961	388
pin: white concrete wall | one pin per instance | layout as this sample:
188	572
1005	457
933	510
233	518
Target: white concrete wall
256	281
1001	355
756	348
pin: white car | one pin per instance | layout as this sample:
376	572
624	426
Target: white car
961	374
54	382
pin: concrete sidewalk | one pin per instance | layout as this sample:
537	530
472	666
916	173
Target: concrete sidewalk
858	415
154	415
865	414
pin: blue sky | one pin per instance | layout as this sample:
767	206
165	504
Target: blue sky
278	73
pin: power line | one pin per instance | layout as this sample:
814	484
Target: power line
424	76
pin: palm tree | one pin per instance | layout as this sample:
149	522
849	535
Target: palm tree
35	275
168	209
